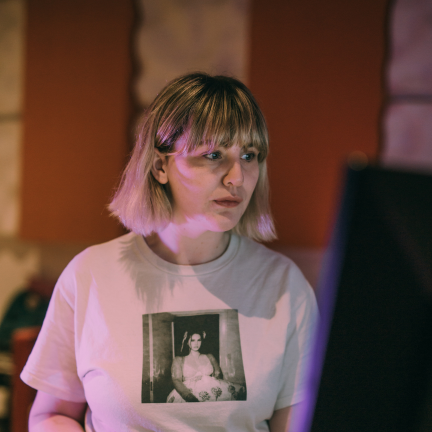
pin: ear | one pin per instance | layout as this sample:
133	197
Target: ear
159	167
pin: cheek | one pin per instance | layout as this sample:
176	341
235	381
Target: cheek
190	184
251	179
192	196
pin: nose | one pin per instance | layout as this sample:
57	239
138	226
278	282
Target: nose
234	176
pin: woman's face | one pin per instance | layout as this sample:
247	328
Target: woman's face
195	342
211	189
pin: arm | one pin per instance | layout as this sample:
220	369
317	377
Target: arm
280	419
51	414
177	377
217	373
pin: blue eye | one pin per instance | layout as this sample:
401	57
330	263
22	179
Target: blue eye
213	155
249	157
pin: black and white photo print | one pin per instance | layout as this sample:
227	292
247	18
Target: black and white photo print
192	357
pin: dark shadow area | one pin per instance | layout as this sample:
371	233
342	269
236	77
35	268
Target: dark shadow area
374	345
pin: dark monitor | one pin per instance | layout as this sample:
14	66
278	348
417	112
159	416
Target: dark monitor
372	359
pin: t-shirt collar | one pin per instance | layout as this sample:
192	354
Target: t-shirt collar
188	270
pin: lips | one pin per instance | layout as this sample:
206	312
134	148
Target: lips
228	201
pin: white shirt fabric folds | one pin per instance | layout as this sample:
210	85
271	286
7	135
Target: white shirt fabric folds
118	319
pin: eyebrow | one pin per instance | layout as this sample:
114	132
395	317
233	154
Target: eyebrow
250	146
244	147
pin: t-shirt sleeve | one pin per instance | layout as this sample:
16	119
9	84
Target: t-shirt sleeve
304	317
52	366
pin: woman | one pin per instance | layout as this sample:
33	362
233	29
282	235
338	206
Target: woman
195	197
198	378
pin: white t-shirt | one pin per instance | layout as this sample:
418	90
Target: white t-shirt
119	321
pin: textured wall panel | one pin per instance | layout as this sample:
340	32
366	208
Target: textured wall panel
411	47
408	120
408	131
11	55
177	37
10	140
12	14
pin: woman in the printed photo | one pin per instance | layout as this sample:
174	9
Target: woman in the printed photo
195	199
197	377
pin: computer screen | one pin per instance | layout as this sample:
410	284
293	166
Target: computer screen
372	358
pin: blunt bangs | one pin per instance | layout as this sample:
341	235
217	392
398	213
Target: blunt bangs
218	111
212	110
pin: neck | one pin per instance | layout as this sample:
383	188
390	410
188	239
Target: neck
179	246
194	353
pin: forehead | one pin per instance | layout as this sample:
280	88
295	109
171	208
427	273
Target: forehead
195	336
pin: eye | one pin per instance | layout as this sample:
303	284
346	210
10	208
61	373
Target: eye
213	155
249	157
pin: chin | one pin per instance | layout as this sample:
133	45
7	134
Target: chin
223	224
222	228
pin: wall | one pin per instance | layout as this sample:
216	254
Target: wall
314	66
175	37
12	16
17	264
407	127
77	110
316	70
231	361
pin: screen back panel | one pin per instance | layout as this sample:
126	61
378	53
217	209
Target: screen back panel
373	354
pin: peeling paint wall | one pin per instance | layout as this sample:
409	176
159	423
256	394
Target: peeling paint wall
176	37
16	267
408	118
12	15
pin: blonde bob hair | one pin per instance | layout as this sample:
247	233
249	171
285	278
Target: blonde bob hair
216	110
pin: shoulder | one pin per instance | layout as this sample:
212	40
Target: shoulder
275	268
104	252
255	252
212	359
102	260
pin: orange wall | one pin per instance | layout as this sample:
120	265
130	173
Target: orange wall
316	70
77	110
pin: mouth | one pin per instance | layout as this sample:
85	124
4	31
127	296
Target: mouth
228	201
227	204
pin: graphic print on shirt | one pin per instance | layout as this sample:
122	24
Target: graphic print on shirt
192	357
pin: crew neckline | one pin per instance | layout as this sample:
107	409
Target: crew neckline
188	270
